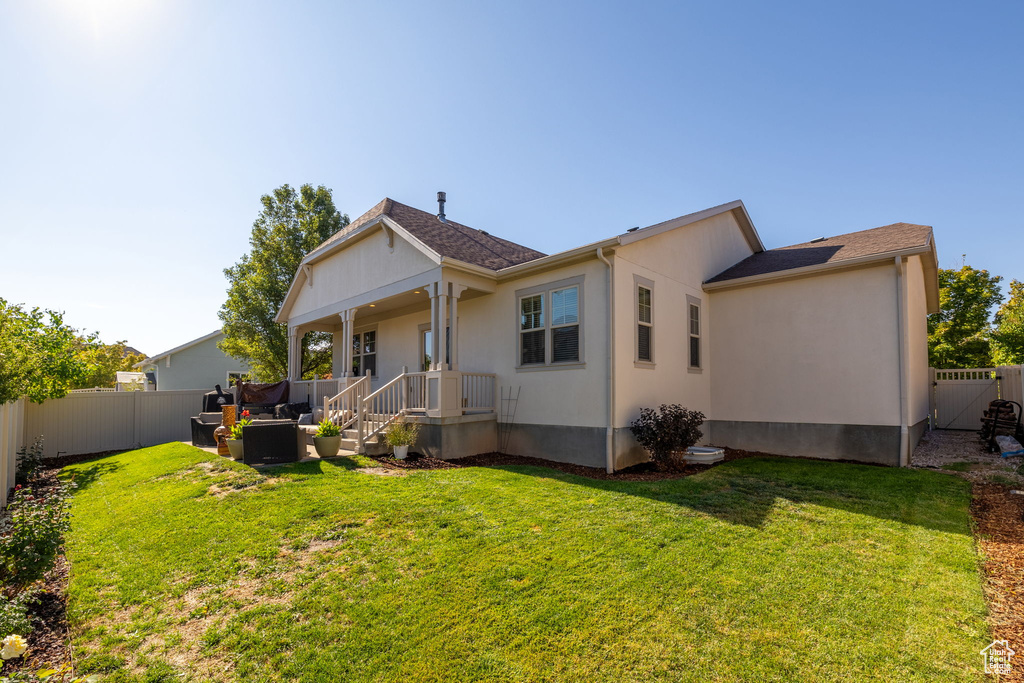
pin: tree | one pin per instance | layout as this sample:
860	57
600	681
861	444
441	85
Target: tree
959	334
38	356
103	361
1008	336
290	225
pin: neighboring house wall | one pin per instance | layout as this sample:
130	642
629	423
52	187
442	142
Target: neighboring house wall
197	367
809	366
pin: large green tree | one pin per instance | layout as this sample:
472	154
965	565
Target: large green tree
103	361
290	225
1008	335
959	336
38	354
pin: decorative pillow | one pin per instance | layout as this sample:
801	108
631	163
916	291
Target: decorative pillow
306	419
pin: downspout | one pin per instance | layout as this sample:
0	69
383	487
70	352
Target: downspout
609	453
901	352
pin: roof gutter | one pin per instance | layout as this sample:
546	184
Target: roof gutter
545	262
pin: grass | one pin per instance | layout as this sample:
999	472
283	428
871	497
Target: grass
756	570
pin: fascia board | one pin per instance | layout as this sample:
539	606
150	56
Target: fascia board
152	359
736	207
554	260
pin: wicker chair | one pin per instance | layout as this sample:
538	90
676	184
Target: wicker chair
272	441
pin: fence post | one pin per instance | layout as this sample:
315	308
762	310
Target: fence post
931	399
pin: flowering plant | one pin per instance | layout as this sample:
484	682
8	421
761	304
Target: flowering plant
236	429
13	646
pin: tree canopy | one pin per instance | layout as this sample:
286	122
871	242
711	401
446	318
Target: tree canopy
38	354
1008	335
103	361
959	336
291	224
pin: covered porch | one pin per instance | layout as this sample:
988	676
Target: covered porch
396	354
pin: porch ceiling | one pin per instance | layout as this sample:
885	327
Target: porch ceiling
411	301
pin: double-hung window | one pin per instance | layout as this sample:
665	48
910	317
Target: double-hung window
364	353
693	306
645	322
549	324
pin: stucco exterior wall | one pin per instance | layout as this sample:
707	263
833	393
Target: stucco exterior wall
675	264
361	267
917	342
817	350
198	367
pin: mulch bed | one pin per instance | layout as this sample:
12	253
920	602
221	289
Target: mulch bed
48	645
999	532
643	472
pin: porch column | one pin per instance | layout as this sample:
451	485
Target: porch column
457	291
294	354
442	314
434	339
346	345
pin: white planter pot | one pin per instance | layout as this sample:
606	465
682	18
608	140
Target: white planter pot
235	447
401	452
696	455
327	446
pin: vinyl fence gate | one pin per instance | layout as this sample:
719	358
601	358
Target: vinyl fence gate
961	396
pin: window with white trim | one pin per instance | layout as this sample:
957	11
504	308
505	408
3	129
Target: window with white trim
550	324
644	324
694	335
364	353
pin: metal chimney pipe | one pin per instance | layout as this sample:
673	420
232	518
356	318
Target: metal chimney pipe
440	205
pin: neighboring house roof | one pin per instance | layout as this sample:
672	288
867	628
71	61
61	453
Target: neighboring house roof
446	238
831	250
153	359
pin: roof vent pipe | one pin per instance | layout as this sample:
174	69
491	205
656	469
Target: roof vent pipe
440	205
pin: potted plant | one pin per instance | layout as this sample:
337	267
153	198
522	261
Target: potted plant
400	435
235	442
327	439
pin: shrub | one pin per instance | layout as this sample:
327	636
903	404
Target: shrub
327	428
30	462
32	534
666	434
14	612
401	433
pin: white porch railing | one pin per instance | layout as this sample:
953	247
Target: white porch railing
478	392
317	390
344	408
409	392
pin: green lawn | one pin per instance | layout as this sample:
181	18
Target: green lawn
756	570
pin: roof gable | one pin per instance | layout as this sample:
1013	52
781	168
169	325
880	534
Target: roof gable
446	238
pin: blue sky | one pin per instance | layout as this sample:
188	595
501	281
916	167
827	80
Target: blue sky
139	135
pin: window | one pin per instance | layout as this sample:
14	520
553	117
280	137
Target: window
644	324
565	325
364	353
233	377
549	324
694	334
426	346
531	330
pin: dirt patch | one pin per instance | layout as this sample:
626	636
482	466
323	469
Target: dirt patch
999	532
382	471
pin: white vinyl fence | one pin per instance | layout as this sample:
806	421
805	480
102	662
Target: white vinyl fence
11	422
960	396
111	421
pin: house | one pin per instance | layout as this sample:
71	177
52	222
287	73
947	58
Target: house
198	364
818	349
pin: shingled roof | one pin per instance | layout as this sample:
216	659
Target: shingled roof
447	238
831	250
